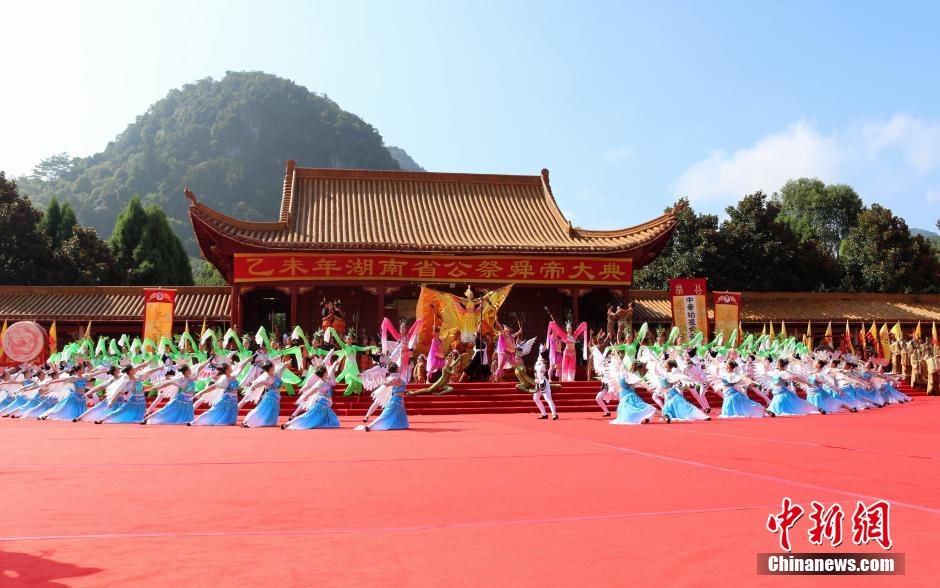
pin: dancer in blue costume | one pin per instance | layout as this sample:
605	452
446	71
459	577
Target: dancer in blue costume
135	407
8	388
819	397
17	397
267	387
884	385
785	402
73	400
38	397
736	404
842	387
393	415
674	405
631	409
179	388
223	396
317	394
100	407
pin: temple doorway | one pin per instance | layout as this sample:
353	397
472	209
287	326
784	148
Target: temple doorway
267	307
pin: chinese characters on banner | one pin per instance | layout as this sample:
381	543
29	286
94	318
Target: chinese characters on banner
689	306
870	523
283	267
158	313
727	312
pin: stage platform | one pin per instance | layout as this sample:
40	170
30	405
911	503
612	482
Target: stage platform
458	500
490	398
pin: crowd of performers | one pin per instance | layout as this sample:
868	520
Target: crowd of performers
124	381
111	383
759	378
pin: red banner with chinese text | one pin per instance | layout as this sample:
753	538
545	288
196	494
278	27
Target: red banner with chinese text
689	306
727	312
158	313
284	267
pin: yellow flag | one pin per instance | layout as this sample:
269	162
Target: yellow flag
873	339
885	340
896	331
917	334
783	329
933	333
771	331
848	338
2	332
827	338
203	331
53	339
87	331
763	330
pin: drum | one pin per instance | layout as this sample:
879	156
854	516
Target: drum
24	342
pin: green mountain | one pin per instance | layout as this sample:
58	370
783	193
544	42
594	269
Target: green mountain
405	162
227	139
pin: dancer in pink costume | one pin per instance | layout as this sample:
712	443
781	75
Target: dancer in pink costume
401	354
568	338
436	354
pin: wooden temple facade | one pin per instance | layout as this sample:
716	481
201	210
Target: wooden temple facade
119	309
370	239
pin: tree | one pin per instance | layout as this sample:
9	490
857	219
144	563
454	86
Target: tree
67	224
692	252
52	221
53	168
127	232
84	259
759	252
25	252
880	255
205	274
820	212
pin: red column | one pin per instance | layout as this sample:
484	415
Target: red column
381	299
293	308
233	306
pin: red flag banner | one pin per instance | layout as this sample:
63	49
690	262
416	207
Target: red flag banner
689	306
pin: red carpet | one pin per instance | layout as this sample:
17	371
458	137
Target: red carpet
458	500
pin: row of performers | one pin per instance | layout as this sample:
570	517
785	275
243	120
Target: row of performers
829	383
116	394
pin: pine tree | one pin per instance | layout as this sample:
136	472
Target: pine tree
127	233
67	223
51	221
147	250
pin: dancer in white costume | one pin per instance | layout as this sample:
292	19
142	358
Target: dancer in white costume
543	389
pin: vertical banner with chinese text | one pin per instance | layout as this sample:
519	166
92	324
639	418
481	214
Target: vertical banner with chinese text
158	313
689	306
727	312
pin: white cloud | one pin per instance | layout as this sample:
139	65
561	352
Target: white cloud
878	154
767	165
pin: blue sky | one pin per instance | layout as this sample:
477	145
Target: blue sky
630	105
